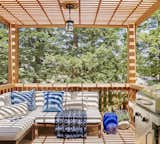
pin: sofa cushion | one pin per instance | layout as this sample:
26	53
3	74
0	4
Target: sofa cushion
92	98
93	116
11	130
53	101
13	110
75	104
5	99
28	96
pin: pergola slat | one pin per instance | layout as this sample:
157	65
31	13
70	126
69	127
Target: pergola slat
11	14
90	12
100	1
27	12
61	11
148	13
44	11
79	1
132	11
115	11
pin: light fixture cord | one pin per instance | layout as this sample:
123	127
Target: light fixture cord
69	12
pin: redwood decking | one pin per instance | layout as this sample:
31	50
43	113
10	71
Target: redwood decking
122	137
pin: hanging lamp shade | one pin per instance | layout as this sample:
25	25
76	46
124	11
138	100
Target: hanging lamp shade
69	25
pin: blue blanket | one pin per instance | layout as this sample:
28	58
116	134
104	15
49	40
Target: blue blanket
71	124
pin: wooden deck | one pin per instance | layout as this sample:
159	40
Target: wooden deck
122	137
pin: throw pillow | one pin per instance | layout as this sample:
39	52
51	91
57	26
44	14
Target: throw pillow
25	96
53	101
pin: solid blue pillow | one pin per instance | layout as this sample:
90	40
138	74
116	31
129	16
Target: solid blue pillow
53	101
25	96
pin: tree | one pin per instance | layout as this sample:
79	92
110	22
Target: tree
149	47
90	55
3	54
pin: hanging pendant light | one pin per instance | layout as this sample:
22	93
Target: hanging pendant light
69	24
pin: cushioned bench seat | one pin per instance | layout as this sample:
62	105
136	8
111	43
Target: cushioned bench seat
93	116
13	130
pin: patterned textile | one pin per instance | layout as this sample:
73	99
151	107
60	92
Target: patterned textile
53	101
25	96
71	124
39	98
15	110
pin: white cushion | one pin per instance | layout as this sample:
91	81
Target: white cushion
91	97
93	116
93	113
5	99
123	125
75	104
14	129
13	110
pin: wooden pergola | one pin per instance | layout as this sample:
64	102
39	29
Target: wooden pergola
90	14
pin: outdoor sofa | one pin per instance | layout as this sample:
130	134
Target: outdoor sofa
26	123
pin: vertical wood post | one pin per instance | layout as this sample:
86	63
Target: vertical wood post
13	56
131	53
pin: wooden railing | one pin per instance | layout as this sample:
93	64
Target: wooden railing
106	91
112	96
6	88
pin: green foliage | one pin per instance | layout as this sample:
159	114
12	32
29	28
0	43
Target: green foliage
148	53
3	54
91	55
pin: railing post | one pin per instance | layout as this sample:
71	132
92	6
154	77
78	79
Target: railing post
13	57
131	53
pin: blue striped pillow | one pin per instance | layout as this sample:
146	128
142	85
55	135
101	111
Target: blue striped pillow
25	96
53	101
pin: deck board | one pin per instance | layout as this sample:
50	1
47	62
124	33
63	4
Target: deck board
122	137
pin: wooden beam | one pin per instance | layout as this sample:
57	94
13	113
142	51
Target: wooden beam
99	4
11	13
132	11
131	53
44	11
79	11
114	12
13	63
4	21
76	25
148	13
60	7
26	11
